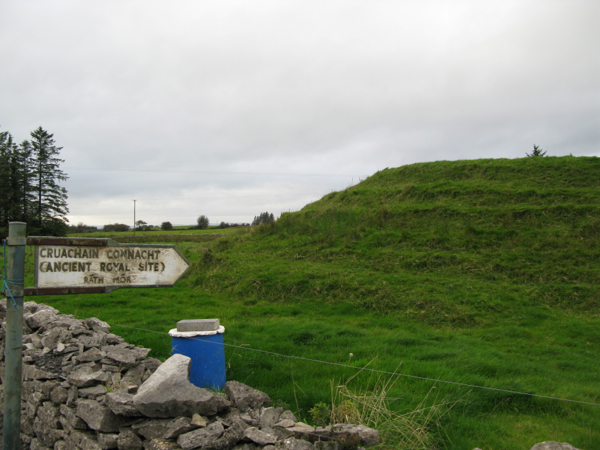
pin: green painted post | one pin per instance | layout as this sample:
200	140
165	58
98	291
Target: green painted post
13	354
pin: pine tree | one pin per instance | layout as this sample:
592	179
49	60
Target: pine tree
50	198
7	149
536	152
15	180
29	184
24	182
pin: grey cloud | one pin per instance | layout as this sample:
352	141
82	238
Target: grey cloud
338	89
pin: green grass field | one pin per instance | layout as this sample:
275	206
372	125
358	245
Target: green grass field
176	231
482	273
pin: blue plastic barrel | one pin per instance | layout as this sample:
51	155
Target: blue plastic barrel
207	368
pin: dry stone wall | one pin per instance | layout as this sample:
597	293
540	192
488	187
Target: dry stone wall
86	388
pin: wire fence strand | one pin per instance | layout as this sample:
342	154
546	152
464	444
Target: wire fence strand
383	372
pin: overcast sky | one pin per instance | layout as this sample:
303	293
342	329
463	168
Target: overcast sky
233	108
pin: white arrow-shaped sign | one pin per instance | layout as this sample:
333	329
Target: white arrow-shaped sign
105	264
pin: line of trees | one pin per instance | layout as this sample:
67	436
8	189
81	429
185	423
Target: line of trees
30	184
263	218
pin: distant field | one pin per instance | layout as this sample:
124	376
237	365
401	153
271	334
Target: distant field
177	231
482	273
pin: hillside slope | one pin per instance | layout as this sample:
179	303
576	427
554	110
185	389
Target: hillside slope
446	243
475	281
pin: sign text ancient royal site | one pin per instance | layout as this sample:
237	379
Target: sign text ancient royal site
110	265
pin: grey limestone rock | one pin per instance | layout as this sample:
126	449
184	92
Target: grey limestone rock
552	445
135	374
366	436
160	444
27	425
84	440
55	335
36	341
245	397
93	341
294	444
251	446
151	363
66	321
198	325
40	318
230	416
121	356
107	440
259	437
97	416
71	418
47	387
147	374
33	307
73	392
92	392
200	437
288	415
128	440
25	441
269	417
93	354
96	324
301	427
140	353
249	419
285	423
31	407
31	372
29	388
47	436
61	445
49	414
169	393
59	395
151	429
279	432
230	436
36	444
178	426
111	368
121	402
86	376
199	421
114	339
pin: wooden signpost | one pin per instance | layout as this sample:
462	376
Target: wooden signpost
79	266
70	266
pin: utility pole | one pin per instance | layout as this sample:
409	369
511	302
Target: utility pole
14	291
134	217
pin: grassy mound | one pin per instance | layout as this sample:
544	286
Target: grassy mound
480	273
456	243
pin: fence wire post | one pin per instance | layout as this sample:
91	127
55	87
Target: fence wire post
13	353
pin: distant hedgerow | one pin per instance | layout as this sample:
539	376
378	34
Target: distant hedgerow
263	218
